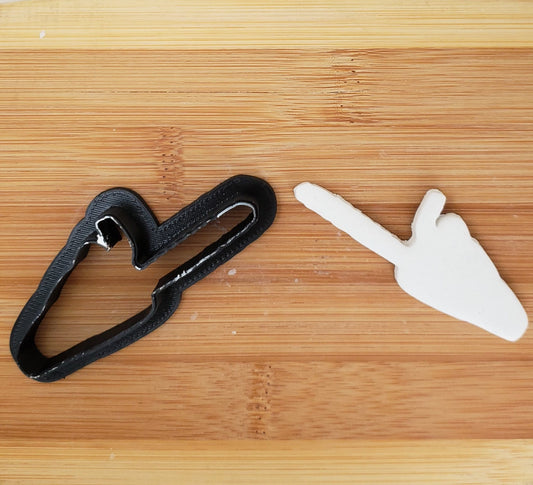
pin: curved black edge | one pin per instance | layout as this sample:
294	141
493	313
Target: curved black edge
121	208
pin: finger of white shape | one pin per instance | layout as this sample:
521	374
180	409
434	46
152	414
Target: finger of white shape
428	212
347	218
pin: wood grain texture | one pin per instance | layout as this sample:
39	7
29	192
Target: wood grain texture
242	462
101	24
305	335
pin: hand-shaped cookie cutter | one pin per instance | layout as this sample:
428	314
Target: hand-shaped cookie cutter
120	209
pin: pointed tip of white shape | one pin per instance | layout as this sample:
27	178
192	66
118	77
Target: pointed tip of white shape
320	200
428	211
518	322
501	313
436	192
435	199
518	334
304	190
317	199
511	333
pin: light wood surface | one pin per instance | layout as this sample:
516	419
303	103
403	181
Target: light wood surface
352	24
242	462
303	340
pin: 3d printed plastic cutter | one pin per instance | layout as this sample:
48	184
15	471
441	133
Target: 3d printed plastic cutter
121	210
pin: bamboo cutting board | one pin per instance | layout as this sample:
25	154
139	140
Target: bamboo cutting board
300	360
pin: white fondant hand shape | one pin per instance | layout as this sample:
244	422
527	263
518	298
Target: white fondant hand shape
441	264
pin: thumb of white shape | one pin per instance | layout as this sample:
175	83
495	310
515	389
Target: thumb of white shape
428	212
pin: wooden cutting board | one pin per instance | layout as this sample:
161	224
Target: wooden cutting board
300	360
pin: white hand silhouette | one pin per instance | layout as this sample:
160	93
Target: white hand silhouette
441	264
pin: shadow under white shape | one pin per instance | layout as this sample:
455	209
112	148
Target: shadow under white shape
441	264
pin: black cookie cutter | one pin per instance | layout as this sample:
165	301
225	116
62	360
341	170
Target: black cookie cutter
120	209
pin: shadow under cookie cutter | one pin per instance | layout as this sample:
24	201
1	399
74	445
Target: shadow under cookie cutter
122	210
